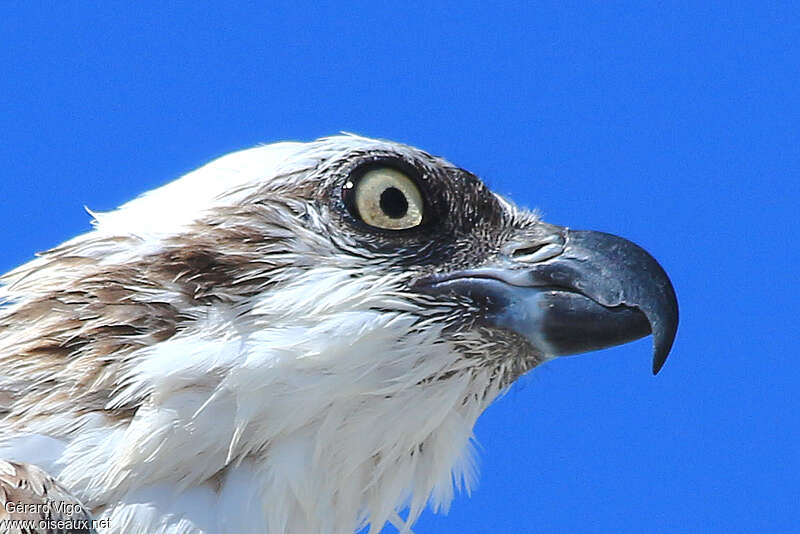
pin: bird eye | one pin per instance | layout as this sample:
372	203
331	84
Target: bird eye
388	199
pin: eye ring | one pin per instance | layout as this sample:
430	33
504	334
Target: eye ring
386	198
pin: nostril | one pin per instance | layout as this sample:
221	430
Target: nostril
538	252
525	251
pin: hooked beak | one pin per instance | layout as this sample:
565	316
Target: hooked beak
599	291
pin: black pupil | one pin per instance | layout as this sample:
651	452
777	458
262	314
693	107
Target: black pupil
394	203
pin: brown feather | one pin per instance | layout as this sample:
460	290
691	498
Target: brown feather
29	494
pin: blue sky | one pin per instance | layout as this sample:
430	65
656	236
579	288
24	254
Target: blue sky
673	125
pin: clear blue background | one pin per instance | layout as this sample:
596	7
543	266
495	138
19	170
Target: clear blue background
673	124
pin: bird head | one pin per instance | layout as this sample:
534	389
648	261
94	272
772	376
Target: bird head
340	311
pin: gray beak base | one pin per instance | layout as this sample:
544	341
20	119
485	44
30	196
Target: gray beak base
601	291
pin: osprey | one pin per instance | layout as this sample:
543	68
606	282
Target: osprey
297	338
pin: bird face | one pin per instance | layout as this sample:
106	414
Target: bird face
505	288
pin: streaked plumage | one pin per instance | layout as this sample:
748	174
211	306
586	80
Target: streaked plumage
32	501
238	351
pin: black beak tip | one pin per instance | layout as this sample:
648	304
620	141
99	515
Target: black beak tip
665	329
616	272
660	353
